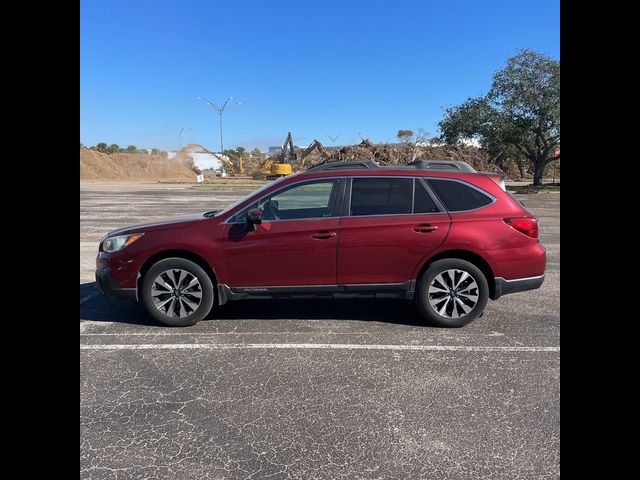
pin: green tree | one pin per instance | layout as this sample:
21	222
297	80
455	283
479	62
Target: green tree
132	149
102	147
113	148
82	146
504	154
521	112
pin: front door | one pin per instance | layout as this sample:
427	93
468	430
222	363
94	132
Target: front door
392	224
296	243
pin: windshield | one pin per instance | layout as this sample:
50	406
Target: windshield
256	192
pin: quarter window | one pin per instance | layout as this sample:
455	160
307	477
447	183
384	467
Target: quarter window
457	196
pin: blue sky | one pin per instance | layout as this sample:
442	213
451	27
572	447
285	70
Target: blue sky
316	68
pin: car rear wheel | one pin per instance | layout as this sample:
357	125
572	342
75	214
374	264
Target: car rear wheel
452	293
177	292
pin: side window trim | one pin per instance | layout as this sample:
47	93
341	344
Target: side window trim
335	212
413	195
346	206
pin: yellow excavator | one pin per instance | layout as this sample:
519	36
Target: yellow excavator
314	145
284	162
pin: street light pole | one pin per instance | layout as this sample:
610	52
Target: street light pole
221	144
220	111
333	139
179	134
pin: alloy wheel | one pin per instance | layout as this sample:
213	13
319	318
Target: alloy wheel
453	293
176	293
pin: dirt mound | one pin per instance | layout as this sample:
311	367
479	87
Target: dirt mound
184	156
131	166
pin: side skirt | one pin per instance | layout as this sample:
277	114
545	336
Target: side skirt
405	290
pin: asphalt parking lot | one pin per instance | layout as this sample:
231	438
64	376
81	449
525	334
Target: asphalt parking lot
358	389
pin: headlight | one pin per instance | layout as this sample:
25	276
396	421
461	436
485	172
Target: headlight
115	244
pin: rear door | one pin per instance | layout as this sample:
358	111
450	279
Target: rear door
390	224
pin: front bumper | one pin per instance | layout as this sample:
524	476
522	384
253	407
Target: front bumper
107	286
504	286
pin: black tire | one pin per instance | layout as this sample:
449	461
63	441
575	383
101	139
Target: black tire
206	286
447	320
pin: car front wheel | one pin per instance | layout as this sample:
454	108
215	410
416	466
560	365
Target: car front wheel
452	293
177	292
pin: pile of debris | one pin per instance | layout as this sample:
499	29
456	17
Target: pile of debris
382	153
390	154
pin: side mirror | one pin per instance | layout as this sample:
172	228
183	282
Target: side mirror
254	217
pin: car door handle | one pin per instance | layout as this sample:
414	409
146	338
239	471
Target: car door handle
323	235
425	228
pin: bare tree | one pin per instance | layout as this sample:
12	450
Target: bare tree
412	141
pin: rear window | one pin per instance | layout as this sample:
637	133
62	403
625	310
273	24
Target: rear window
457	196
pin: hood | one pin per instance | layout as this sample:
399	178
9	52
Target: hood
176	222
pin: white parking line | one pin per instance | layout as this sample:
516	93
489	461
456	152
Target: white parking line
322	346
205	334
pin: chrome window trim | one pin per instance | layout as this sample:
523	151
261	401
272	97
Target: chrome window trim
395	215
348	207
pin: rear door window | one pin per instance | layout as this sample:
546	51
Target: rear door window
381	196
458	196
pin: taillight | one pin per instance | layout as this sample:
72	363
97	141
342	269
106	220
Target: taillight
526	225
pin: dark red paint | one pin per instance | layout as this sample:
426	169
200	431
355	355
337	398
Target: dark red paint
340	250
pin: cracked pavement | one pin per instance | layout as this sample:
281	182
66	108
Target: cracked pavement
269	412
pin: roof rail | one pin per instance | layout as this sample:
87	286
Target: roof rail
344	166
442	165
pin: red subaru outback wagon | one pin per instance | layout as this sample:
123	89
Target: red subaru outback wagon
436	232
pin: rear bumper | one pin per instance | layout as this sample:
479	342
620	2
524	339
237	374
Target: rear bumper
107	286
504	287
